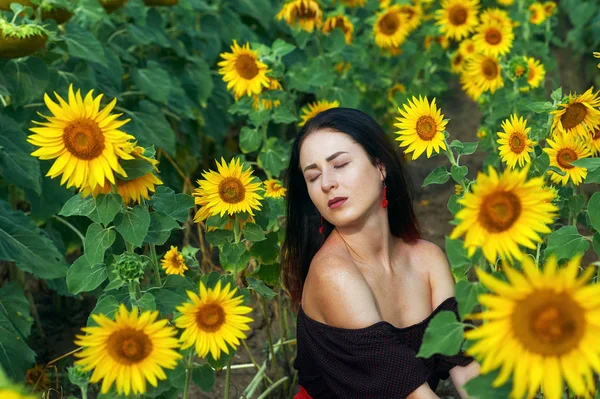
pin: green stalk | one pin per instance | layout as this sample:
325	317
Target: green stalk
155	263
188	375
453	161
269	338
133	290
227	376
272	388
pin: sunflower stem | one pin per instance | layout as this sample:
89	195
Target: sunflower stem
133	291
272	387
537	255
70	226
227	377
188	374
453	161
269	338
155	263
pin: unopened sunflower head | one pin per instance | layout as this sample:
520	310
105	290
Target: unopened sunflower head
541	327
21	31
517	68
129	267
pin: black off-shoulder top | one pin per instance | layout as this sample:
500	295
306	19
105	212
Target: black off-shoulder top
378	361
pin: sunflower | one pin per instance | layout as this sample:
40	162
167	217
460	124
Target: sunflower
131	191
266	103
87	142
564	149
398	87
457	18
315	108
414	14
467	48
274	189
515	144
421	127
535	72
342	67
579	115
594	142
128	350
506	2
503	212
342	22
481	73
6	393
242	71
482	133
229	191
173	262
541	326
441	40
496	15
457	63
537	15
305	13
391	27
549	8
213	320
493	38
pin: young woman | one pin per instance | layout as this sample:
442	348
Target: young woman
362	281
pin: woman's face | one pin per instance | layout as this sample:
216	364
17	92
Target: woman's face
335	166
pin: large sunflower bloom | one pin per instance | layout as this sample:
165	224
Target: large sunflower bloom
514	143
421	127
503	212
481	73
242	71
213	320
131	191
342	22
493	38
496	15
229	191
542	326
564	149
87	142
128	350
305	13
391	27
315	108
173	262
579	115
457	18
274	189
414	14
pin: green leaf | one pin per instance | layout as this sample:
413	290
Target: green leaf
219	237
133	224
217	220
108	205
439	175
258	118
453	205
78	206
282	48
135	168
253	232
160	228
97	241
565	243
273	160
175	205
15	325
149	126
168	300
481	387
458	173
22	242
596	243
267	250
16	165
576	204
106	305
557	95
540	107
464	148
26	79
587	163
593	176
233	251
153	81
145	303
268	273
83	277
457	254
284	115
444	335
466	296
82	44
260	287
250	140
594	210
204	377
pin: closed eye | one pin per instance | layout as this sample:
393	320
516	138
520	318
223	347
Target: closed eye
335	167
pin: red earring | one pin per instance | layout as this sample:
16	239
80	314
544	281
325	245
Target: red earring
321	229
384	203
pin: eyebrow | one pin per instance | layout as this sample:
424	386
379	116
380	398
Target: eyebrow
329	158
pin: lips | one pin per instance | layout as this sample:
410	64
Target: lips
335	200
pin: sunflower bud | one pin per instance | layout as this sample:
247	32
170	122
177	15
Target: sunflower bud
518	69
130	267
79	377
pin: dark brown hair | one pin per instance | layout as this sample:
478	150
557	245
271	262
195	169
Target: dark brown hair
302	238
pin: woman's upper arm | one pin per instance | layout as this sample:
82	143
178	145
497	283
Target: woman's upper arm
341	294
441	279
423	392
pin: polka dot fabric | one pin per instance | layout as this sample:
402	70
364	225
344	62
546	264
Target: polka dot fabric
378	361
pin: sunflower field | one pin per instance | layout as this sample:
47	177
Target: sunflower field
143	145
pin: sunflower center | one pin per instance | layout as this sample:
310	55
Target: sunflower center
596	135
564	158
340	23
470	48
246	67
493	36
305	11
531	74
231	190
210	317
426	127
128	346
489	69
457	60
517	142
549	323
573	116
457	15
84	139
519	71
389	23
499	211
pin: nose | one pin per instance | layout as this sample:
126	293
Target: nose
328	181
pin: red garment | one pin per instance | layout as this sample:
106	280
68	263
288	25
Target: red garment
302	394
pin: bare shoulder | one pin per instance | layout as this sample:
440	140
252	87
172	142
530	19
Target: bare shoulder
431	258
336	293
